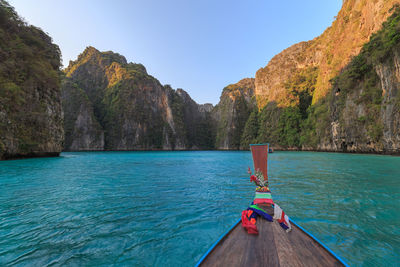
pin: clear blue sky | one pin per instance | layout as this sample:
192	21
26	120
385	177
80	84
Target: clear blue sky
198	45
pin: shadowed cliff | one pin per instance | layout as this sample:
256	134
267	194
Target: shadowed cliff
111	104
30	105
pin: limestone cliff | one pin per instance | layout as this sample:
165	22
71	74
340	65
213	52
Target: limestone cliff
336	95
230	115
197	121
330	52
389	78
30	106
111	104
364	105
82	130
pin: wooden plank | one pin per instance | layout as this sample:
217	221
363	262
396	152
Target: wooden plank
265	245
272	247
242	249
310	251
286	252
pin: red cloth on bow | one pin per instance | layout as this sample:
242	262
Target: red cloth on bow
249	225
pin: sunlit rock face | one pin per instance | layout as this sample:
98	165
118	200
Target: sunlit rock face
114	105
330	52
350	74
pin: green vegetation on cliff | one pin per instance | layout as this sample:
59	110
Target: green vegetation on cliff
360	77
112	104
250	130
282	126
30	109
230	115
128	108
230	125
178	112
195	125
350	116
80	124
122	97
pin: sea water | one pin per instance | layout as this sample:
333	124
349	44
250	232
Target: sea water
168	208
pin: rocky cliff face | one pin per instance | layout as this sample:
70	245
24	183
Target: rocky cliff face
330	52
299	107
30	106
389	78
114	105
230	115
364	103
82	130
197	122
338	92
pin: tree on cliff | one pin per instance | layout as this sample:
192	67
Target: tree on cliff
30	105
250	131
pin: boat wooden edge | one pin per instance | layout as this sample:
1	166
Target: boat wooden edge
319	243
222	237
311	236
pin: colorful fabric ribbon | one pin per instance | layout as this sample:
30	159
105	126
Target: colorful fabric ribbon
249	222
282	218
263	197
249	216
261	212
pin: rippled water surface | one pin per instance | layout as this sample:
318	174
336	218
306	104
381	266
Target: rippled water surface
167	208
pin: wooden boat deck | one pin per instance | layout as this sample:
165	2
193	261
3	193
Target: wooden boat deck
271	247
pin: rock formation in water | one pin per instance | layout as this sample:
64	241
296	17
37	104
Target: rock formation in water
338	92
30	106
230	115
82	130
111	104
196	121
364	104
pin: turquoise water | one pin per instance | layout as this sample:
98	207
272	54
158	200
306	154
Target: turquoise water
167	208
